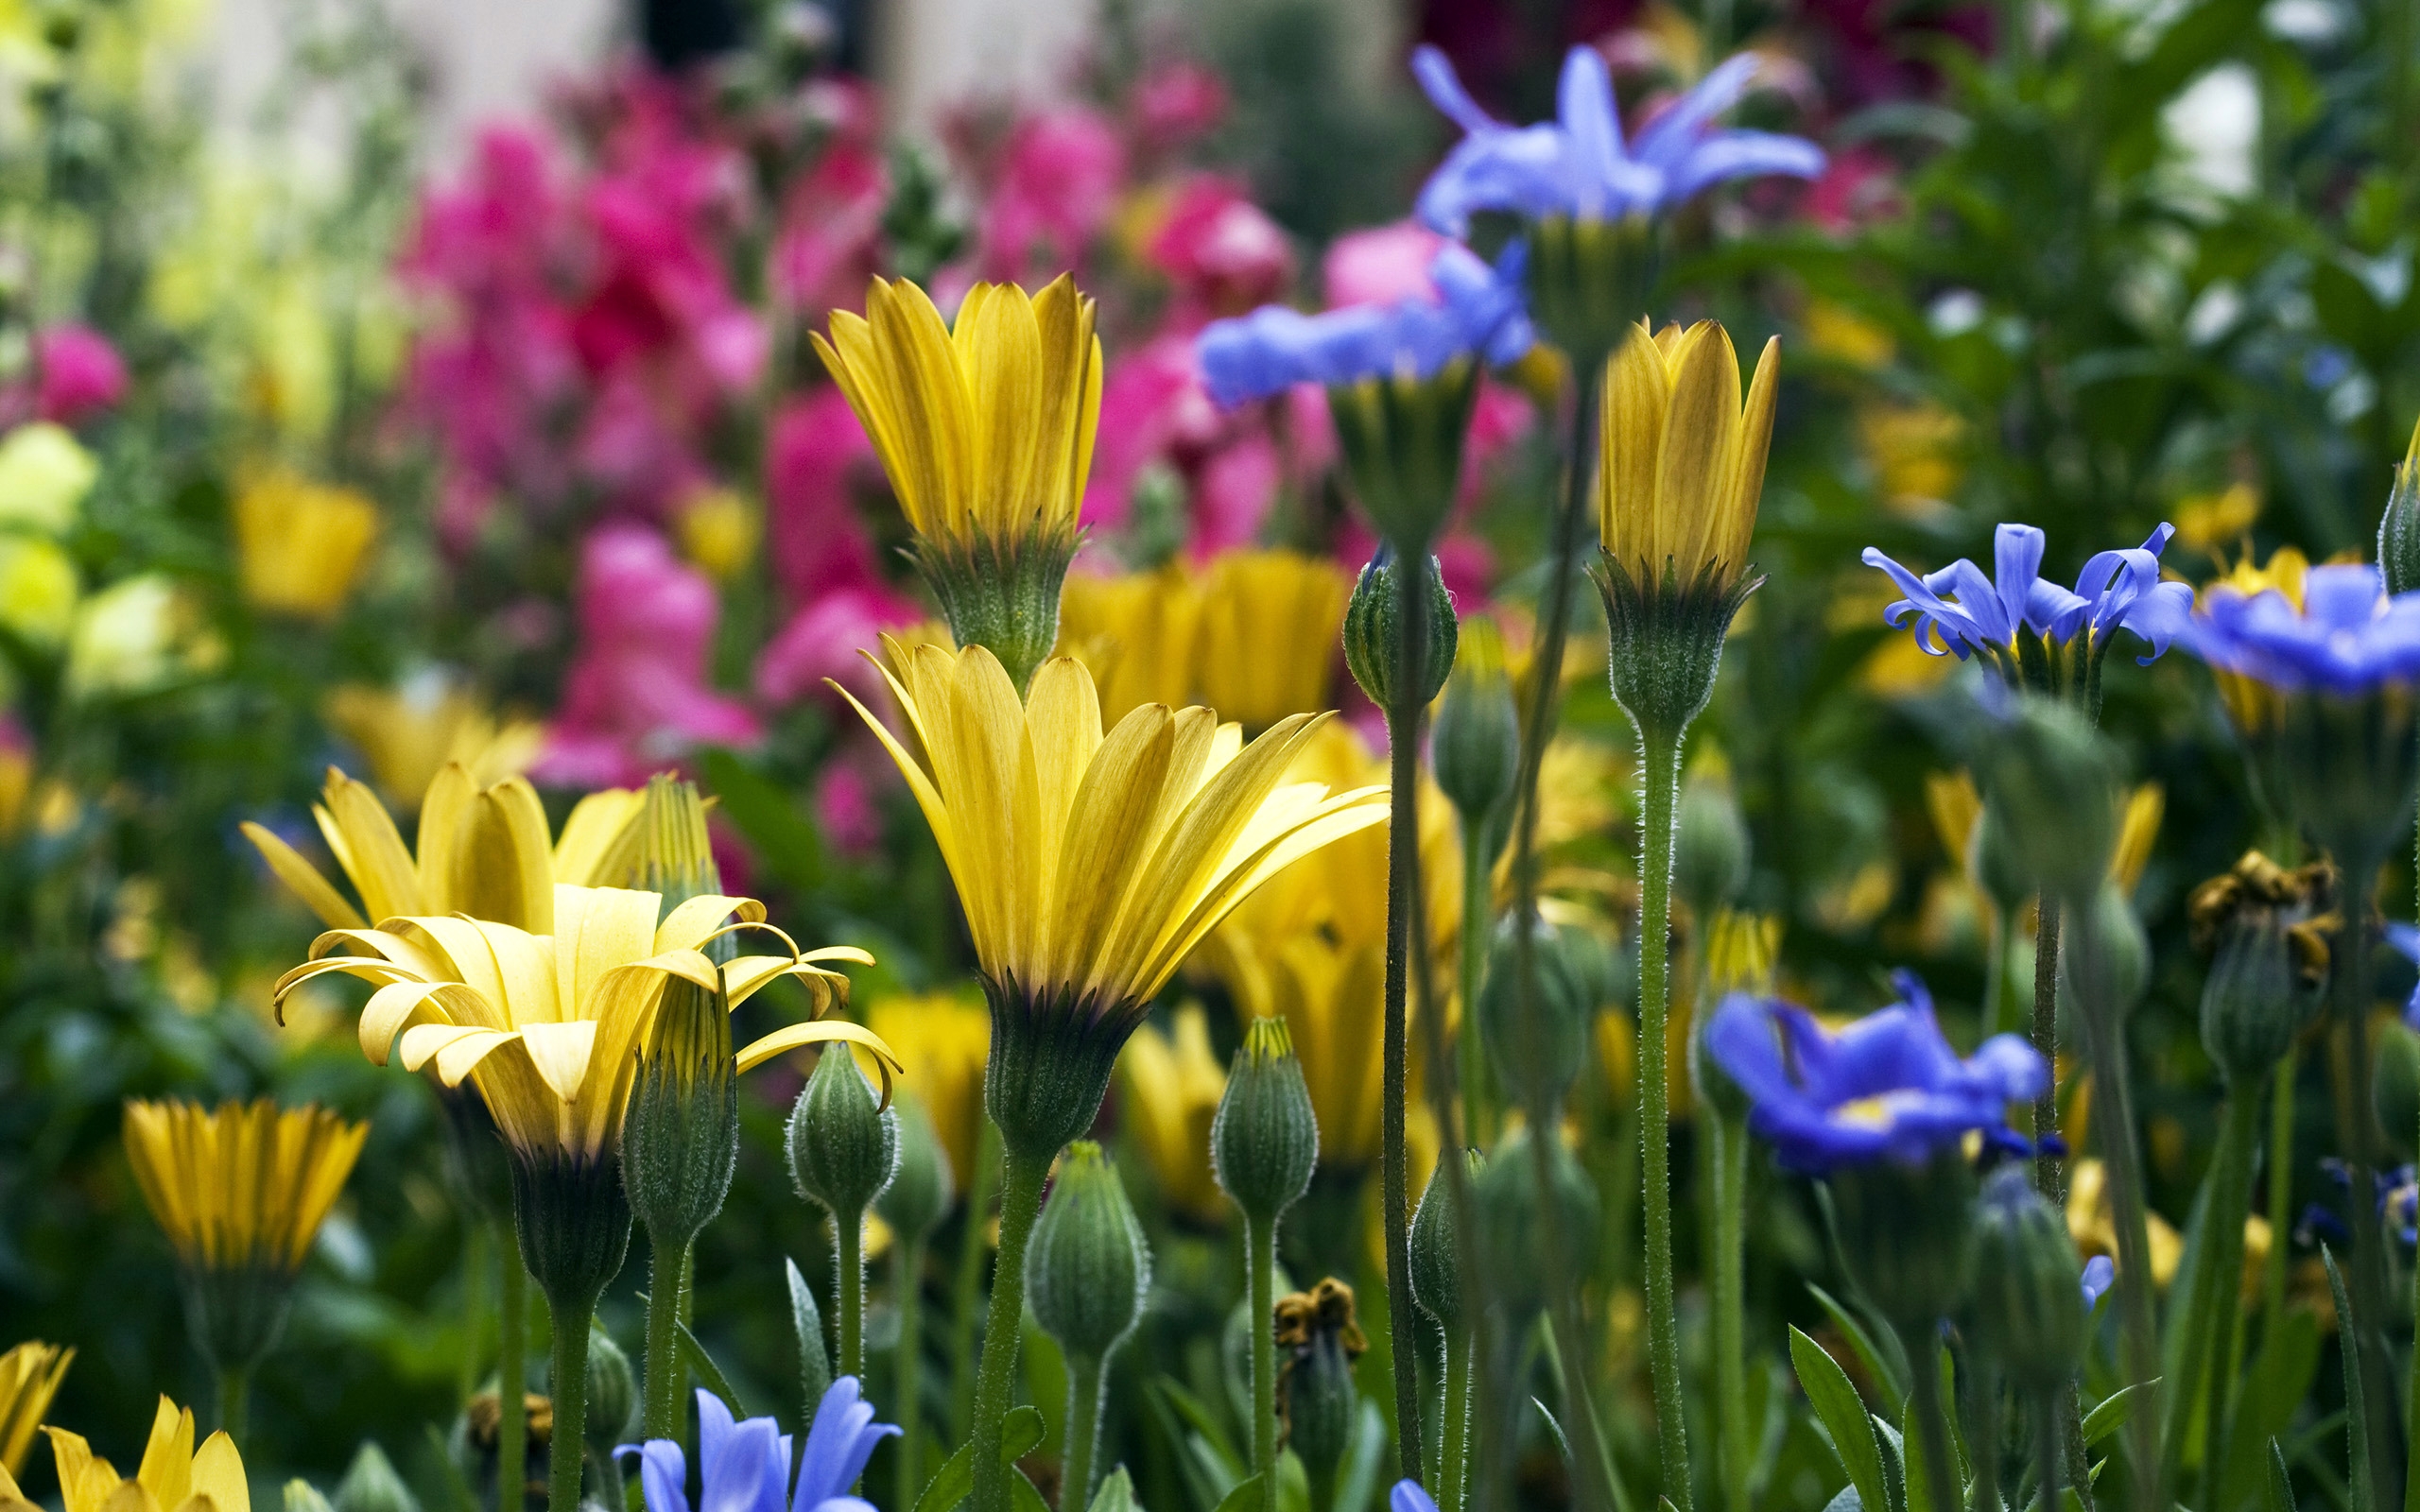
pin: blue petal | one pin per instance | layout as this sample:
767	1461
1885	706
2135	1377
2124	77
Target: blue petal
1674	131
2098	1276
1584	103
1443	87
839	1445
1728	155
663	1473
2017	562
1408	1497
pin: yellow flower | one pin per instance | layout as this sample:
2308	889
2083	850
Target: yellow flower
2094	1231
29	1377
718	529
941	1040
1838	331
1741	951
2252	705
173	1477
409	733
2137	830
1135	631
548	1028
38	590
1173	1085
1683	462
300	544
1270	622
985	428
245	1187
2206	522
1956	806
125	638
483	852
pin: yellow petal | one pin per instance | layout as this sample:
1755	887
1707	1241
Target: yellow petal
597	929
1109	826
304	879
687	926
594	832
1756	441
443	811
790	1037
166	1470
381	869
218	1474
1693	476
1637	394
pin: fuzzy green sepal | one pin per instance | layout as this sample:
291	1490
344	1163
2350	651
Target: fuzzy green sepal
1264	1138
1374	633
574	1223
1052	1054
1402	439
842	1143
1908	1234
1001	595
1590	281
1665	641
1090	1269
236	1315
680	1137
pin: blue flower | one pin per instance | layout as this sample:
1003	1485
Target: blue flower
1478	309
2399	1204
1577	165
745	1466
2405	941
1959	611
1888	1085
2348	637
2098	1276
1408	1497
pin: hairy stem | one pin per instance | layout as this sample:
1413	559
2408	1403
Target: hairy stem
1477	915
995	1377
568	1385
849	1288
1660	755
2049	1420
1260	1242
1730	1138
660	1408
1083	1434
2050	1177
967	1288
1404	935
1453	1469
2211	1305
2114	1124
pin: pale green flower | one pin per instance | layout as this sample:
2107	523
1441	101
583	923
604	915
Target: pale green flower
123	637
45	473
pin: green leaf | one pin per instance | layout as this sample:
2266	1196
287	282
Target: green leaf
1117	1493
2356	1409
703	1365
806	1327
1843	1413
1021	1491
955	1481
1887	1368
1244	1498
2277	1495
1561	1443
1364	1461
2114	1410
458	1490
1021	1434
1200	1419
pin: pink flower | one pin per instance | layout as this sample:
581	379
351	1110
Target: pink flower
77	371
1233	496
814	464
1059	182
635	698
847	805
832	229
1223	253
824	640
1178	101
1380	265
1857	187
1143	405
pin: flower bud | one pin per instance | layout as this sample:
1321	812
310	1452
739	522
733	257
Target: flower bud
1475	742
2394	1087
842	1143
1538	1046
1089	1269
1992	859
1373	641
1264	1139
302	1496
2051	781
1908	1234
2268	965
1514	1238
2104	960
681	1134
2399	530
921	1191
371	1485
1436	1262
2028	1311
1401	440
1710	860
613	1389
1318	1340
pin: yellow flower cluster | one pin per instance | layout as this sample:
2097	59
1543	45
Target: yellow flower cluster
173	1477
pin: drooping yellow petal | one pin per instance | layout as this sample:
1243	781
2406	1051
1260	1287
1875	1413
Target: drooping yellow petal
823	1031
316	892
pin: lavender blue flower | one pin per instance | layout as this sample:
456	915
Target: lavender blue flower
2348	638
1408	1497
2405	941
1959	611
745	1466
1887	1087
2100	1275
1578	165
2399	1204
1478	310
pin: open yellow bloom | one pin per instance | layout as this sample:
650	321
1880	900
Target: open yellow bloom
1683	461
300	544
1173	1084
483	852
986	427
941	1040
1269	626
243	1187
29	1377
548	1028
173	1477
2253	706
1136	632
410	731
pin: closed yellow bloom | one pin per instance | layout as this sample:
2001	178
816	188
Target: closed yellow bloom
548	1027
173	1477
1270	624
300	544
483	852
1173	1084
1683	461
2253	706
245	1186
29	1377
985	426
409	733
1136	632
941	1040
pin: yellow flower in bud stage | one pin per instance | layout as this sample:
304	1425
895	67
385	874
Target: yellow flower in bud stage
1270	622
300	544
29	1377
2254	707
941	1040
244	1186
410	731
1683	461
173	1477
549	1027
2208	522
718	531
1173	1084
482	852
1136	633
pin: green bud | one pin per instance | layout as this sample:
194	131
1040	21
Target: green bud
1908	1234
1264	1139
1002	593
1373	641
2029	1302
1088	1270
1710	861
574	1223
613	1389
2399	529
1538	1046
2054	782
1589	280
920	1190
1514	1241
371	1485
2104	960
676	857
1475	744
2394	1087
2268	963
1436	1262
843	1144
680	1135
1992	858
1712	1083
1318	1341
1402	439
302	1496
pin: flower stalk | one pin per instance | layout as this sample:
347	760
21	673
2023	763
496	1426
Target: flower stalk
1660	761
512	1362
1260	1248
1729	1135
1026	1173
907	1271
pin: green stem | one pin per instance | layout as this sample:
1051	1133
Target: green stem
2114	1124
1404	936
2049	1177
513	1354
2209	1304
849	1283
476	1246
995	1378
2356	1133
1729	1137
1083	1434
1932	1424
1660	755
908	1282
1477	915
234	1387
2049	1419
661	1412
1998	1009
1260	1248
968	1286
568	1385
2281	1195
1983	1443
1453	1469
